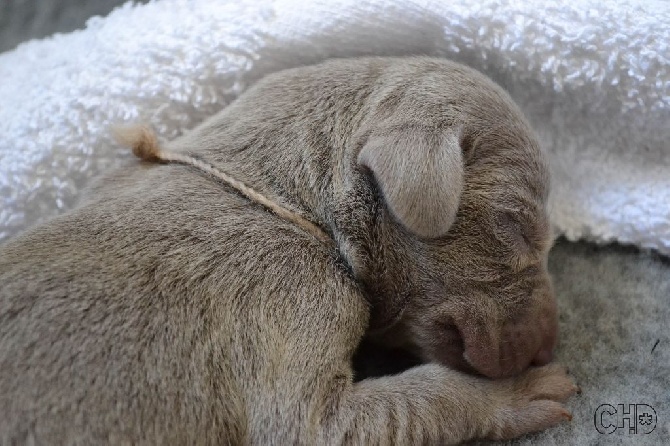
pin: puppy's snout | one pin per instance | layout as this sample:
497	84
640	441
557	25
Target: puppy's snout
505	350
524	344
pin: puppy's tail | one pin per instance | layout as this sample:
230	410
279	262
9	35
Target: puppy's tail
141	139
145	146
144	143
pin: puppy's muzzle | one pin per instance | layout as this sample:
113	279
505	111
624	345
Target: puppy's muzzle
505	349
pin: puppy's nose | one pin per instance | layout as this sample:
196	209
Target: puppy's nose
544	356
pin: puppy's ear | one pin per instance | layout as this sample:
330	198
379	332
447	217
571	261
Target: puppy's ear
420	173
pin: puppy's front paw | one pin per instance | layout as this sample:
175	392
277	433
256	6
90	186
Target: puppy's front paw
530	402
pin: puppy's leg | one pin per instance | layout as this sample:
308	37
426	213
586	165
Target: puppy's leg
431	404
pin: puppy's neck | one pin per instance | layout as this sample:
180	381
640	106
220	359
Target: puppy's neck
146	147
284	152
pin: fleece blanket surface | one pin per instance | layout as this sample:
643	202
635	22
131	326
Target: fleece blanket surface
592	76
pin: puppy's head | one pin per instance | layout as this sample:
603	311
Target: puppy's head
456	265
482	298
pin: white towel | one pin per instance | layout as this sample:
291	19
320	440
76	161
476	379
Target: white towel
592	76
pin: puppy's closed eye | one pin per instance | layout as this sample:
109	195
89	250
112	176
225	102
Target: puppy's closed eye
511	230
520	238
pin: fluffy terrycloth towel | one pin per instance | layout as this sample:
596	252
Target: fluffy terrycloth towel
592	76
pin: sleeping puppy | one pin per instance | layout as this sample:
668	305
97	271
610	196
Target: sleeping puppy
399	199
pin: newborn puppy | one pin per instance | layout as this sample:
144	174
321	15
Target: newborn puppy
170	308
